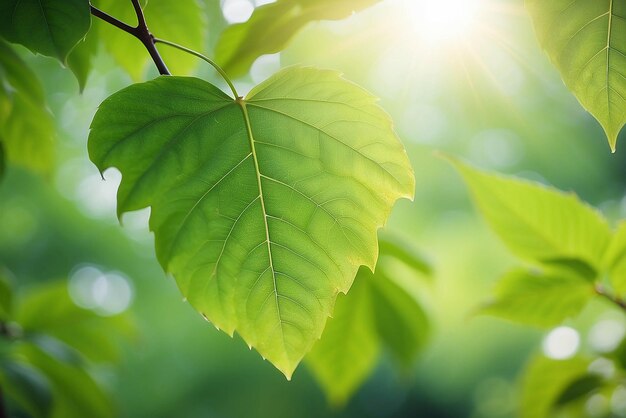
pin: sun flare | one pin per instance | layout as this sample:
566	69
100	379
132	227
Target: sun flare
438	22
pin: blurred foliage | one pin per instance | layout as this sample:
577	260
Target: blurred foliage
489	95
378	312
47	344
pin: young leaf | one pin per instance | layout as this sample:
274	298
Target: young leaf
263	208
348	350
546	381
538	222
181	21
539	299
271	27
28	130
586	41
47	27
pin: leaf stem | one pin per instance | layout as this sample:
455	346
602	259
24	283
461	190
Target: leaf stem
601	290
205	58
140	32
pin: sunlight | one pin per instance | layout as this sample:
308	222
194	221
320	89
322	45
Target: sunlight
437	22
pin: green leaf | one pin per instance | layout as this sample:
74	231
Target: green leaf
3	163
181	21
545	381
47	27
580	388
48	309
538	222
539	299
348	349
271	27
402	324
27	133
263	208
27	387
76	394
6	298
615	260
586	41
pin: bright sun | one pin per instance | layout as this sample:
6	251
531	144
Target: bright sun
441	21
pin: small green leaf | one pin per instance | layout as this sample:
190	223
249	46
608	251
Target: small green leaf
27	387
271	27
263	208
539	299
181	21
47	27
27	133
545	381
348	350
580	388
538	222
586	41
402	324
76	394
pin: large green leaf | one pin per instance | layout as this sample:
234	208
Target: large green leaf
271	27
539	299
586	41
263	208
181	21
538	222
48	27
348	350
28	128
546	381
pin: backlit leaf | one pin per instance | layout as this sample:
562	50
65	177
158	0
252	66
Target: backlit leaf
271	27
586	41
47	27
538	222
539	299
263	208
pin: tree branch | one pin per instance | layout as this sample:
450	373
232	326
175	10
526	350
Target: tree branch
140	32
600	290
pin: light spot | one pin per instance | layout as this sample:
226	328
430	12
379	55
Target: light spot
264	66
561	343
105	293
597	405
237	11
606	335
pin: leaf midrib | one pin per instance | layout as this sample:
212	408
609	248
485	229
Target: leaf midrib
257	172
